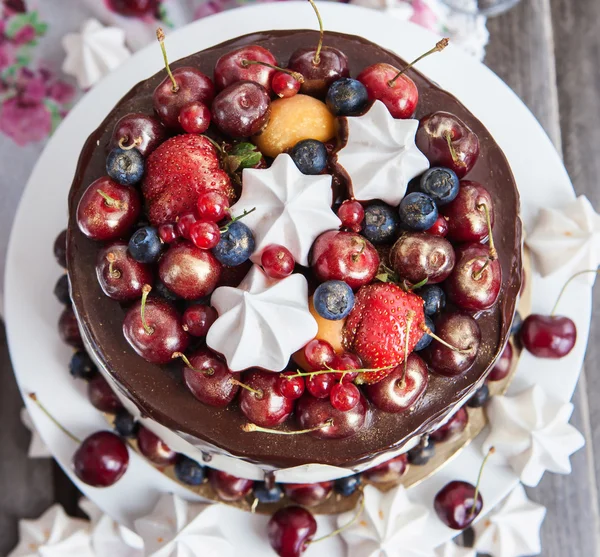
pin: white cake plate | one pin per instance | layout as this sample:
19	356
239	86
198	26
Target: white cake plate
40	359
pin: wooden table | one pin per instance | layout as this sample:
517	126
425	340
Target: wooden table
548	51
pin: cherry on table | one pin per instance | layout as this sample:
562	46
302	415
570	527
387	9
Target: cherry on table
452	428
60	249
261	401
455	505
548	336
194	117
198	319
465	216
101	395
503	364
277	261
68	329
101	459
138	130
389	471
308	495
290	531
227	487
154	449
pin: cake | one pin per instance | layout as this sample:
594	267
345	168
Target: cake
350	141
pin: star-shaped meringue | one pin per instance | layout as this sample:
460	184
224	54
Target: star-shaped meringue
381	156
54	534
390	525
176	528
262	322
450	549
108	537
94	52
292	209
513	530
531	432
37	447
567	237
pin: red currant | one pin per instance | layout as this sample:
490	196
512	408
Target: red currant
319	354
184	224
320	385
290	388
205	234
168	233
440	227
194	117
344	396
277	261
284	85
346	361
213	206
197	319
351	213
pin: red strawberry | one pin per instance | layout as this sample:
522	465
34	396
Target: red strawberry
376	327
177	172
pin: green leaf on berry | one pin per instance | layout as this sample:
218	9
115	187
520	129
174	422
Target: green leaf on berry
243	155
383	277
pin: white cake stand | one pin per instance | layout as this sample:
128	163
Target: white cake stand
40	359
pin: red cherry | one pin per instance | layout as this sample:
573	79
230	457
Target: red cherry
285	85
320	385
291	530
101	459
231	68
264	406
168	233
308	495
154	449
144	132
501	368
291	388
134	8
548	336
184	224
389	471
440	227
318	76
212	206
319	354
344	396
452	428
227	487
194	117
344	362
454	505
205	234
352	214
465	215
198	319
101	396
277	261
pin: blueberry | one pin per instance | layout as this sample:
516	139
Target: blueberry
418	211
421	454
265	494
125	424
333	300
161	290
425	339
434	298
81	366
347	97
145	245
381	223
61	290
189	471
310	156
125	166
235	246
516	324
441	184
479	398
347	486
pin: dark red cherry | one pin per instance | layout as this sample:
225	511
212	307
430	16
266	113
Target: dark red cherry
548	336
332	65
448	142
68	329
101	396
265	407
141	131
154	449
277	261
194	117
398	392
308	495
101	459
227	487
290	531
452	428
198	319
107	210
455	505
231	67
466	216
60	249
134	8
211	380
502	366
440	227
290	387
389	471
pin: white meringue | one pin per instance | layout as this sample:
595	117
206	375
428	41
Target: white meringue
262	322
108	537
381	156
292	209
176	528
450	549
567	237
94	52
54	534
531	432
513	530
37	447
390	526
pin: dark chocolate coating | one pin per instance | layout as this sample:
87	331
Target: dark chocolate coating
160	393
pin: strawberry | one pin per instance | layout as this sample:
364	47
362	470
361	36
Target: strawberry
177	172
375	330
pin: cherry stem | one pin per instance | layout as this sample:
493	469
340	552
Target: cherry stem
409	319
493	252
331	370
562	290
359	512
250	428
209	371
490	452
478	274
363	246
235	219
113	273
410	288
257	392
442	341
296	75
111	202
440	45
254	505
160	35
35	399
136	143
453	153
317	58
145	291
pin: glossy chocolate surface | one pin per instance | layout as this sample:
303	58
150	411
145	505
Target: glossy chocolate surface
159	391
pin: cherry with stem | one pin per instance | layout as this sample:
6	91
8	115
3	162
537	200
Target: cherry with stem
440	45
296	75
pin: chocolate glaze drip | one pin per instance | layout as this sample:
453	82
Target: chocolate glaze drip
159	391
